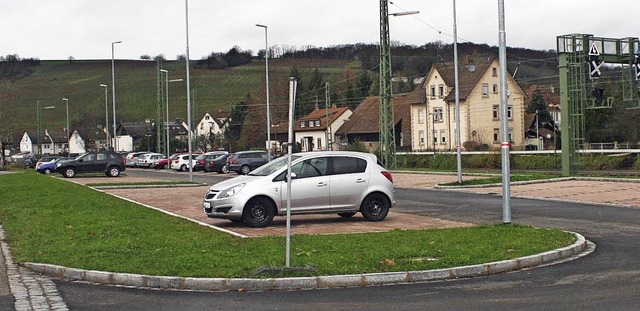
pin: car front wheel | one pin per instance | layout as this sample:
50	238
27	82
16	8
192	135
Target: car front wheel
69	172
47	171
258	212
245	169
113	171
375	207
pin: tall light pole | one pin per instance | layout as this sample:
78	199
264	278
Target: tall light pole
113	90
106	114
457	95
506	170
68	129
167	81
38	113
186	15
266	60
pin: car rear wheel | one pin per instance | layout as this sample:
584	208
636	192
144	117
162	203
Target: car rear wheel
346	215
166	166
69	172
113	171
375	207
258	212
183	168
224	170
245	169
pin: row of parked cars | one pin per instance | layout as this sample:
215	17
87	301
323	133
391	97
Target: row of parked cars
221	162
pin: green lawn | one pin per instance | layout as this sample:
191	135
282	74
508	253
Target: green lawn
48	220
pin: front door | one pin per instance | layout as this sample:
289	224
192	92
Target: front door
310	189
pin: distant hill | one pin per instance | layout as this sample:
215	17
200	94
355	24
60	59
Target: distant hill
221	89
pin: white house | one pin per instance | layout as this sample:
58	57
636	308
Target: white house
317	130
76	144
212	125
26	144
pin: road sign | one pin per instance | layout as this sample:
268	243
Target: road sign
593	50
594	68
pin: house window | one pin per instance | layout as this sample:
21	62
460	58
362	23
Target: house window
302	124
319	143
510	134
495	71
441	90
421	137
433	91
495	89
420	116
443	139
437	114
496	112
317	122
485	89
206	117
435	137
496	135
509	112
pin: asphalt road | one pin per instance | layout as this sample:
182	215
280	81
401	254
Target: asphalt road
608	279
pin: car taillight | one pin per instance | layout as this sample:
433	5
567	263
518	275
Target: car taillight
201	162
232	161
123	160
388	176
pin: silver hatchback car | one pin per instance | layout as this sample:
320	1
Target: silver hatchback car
336	182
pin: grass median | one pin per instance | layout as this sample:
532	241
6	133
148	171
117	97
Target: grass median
48	220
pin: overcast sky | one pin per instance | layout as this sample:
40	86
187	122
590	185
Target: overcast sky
84	29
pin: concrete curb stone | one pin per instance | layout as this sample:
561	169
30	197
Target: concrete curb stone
573	251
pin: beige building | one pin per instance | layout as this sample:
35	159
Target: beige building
433	123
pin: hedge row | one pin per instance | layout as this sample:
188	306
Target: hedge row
525	162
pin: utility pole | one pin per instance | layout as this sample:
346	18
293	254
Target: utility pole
387	129
327	105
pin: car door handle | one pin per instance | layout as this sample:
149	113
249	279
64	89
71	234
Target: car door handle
360	180
321	184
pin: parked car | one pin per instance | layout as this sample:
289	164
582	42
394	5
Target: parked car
203	159
108	162
131	158
244	162
165	162
219	164
181	162
147	159
337	182
47	165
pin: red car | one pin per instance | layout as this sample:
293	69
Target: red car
164	163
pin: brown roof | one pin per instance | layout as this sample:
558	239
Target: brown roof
467	79
318	114
366	117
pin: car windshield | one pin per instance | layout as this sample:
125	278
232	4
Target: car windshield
272	166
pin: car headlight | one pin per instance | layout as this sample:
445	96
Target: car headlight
230	191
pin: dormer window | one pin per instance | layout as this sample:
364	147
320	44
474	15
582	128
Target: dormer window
302	124
317	122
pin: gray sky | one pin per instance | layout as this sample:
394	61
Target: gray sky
84	29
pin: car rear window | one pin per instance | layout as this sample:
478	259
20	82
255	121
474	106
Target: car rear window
348	165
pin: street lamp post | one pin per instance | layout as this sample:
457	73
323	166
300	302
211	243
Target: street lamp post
113	90
38	113
186	18
266	58
167	81
106	114
68	129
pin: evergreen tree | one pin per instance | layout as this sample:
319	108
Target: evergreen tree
539	103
